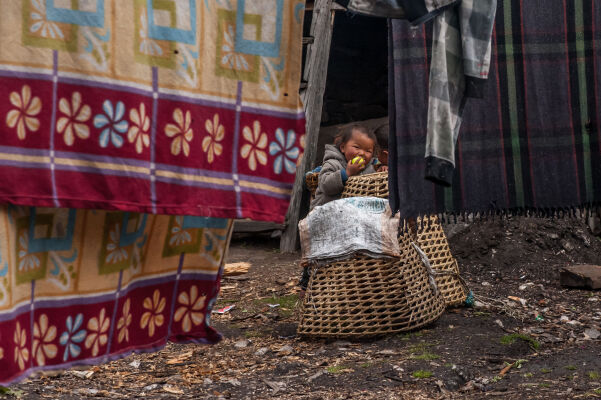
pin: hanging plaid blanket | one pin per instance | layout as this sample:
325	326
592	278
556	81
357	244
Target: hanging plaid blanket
86	286
532	142
170	107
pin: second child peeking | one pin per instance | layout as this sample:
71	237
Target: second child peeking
351	154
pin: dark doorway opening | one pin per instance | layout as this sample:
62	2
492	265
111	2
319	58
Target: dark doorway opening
357	82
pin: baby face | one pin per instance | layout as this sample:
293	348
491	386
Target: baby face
358	145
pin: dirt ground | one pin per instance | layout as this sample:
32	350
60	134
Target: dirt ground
546	348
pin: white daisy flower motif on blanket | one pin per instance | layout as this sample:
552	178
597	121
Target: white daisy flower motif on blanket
190	311
40	24
73	123
181	132
115	253
98	336
285	151
21	349
210	144
153	317
254	150
23	116
43	336
138	130
179	235
147	45
230	57
26	260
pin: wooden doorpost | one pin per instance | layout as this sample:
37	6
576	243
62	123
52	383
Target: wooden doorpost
315	74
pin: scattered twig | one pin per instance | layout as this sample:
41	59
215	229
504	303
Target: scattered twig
273	385
506	369
393	378
498	393
237	278
316	375
517	364
160	372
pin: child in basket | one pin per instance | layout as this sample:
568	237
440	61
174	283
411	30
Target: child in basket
351	154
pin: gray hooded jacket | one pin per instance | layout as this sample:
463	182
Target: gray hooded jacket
333	176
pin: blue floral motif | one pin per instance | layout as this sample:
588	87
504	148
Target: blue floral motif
72	336
285	151
113	123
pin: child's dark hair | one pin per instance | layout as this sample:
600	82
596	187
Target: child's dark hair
347	132
381	133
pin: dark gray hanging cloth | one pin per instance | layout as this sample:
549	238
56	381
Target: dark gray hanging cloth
532	142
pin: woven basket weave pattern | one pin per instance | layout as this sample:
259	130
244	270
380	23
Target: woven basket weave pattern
375	185
366	297
431	238
433	241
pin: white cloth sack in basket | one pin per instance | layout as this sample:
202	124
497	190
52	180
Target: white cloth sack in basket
341	228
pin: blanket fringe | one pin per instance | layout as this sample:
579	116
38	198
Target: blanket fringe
422	223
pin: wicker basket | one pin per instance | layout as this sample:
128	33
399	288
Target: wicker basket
311	180
433	241
367	297
430	237
375	185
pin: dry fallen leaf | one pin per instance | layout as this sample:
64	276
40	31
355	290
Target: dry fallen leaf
517	300
180	358
172	389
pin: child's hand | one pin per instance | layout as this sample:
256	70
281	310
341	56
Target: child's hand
383	168
353	169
